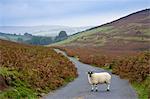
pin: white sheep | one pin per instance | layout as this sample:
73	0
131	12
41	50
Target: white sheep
99	78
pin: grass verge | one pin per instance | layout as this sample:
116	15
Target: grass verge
142	89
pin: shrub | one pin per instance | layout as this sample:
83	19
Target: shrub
135	68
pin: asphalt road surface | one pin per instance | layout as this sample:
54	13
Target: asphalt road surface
80	88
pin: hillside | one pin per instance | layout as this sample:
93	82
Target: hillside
27	38
121	46
128	34
29	71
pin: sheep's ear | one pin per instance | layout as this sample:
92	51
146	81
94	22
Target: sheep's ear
88	72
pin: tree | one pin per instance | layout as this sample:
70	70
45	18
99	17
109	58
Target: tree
27	34
62	35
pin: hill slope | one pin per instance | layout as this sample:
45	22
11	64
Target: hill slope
28	71
124	36
27	38
121	46
131	33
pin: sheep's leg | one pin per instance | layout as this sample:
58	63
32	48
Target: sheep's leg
96	88
92	87
108	86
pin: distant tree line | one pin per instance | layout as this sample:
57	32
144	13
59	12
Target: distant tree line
34	40
39	40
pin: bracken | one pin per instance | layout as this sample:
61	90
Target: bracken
37	68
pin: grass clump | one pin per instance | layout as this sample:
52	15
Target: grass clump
142	89
18	88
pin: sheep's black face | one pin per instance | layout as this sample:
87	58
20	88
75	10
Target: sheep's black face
90	73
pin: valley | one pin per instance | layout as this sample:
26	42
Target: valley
121	47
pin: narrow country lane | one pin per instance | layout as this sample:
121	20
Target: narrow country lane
80	88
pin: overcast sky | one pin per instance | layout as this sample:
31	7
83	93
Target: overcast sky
66	12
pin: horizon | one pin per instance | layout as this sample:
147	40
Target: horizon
81	13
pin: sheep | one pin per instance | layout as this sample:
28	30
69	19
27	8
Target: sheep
99	78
